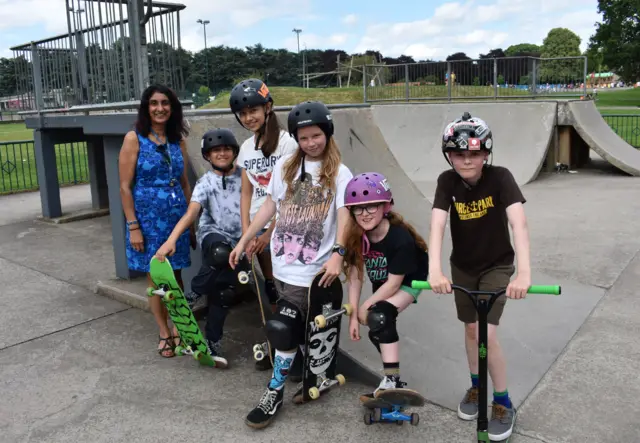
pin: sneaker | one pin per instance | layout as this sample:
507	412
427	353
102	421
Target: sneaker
501	423
386	383
269	404
468	407
214	350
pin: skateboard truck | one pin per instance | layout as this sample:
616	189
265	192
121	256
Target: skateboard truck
390	415
328	314
326	383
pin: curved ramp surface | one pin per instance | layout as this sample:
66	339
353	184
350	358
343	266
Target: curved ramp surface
432	355
595	131
522	133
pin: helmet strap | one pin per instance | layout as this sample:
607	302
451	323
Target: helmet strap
302	171
365	243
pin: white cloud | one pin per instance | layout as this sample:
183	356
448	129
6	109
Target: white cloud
350	19
315	41
475	28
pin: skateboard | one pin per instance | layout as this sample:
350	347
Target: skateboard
252	276
388	406
483	302
322	334
192	341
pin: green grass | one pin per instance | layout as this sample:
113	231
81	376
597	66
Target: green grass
15	131
18	166
618	97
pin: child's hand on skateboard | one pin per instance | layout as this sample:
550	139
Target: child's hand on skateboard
439	283
234	257
354	328
166	250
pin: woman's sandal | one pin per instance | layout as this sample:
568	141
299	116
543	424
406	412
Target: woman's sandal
168	346
177	341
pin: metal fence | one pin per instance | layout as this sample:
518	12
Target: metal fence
626	126
18	165
112	51
491	78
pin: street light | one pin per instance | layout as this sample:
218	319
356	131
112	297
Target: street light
204	24
298	31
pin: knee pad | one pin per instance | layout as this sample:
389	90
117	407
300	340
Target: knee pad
222	296
283	329
219	255
382	323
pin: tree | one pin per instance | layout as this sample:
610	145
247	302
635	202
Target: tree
561	42
618	36
523	50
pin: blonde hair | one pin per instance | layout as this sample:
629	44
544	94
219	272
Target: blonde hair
331	160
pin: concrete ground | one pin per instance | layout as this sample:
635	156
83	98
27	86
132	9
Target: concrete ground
77	366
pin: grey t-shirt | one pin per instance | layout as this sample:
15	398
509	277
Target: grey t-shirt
220	207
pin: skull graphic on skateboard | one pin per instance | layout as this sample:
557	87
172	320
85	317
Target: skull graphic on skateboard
254	276
192	341
322	332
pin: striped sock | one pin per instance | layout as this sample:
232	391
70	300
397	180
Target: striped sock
475	380
502	398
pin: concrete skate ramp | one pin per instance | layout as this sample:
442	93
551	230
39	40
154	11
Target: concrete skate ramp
522	133
533	331
598	135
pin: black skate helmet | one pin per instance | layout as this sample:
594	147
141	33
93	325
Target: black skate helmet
467	134
310	113
220	137
249	92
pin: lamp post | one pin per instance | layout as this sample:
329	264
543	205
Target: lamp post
298	31
204	24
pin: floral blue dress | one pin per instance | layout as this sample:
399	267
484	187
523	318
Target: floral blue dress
159	203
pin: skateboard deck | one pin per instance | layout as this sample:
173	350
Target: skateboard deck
192	341
387	406
255	277
322	334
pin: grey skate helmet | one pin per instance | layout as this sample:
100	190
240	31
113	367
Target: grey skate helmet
467	134
310	113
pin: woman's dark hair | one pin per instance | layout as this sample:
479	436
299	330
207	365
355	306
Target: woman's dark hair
176	128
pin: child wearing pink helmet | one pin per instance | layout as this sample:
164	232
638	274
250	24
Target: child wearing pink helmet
393	254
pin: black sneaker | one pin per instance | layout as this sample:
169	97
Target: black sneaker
270	403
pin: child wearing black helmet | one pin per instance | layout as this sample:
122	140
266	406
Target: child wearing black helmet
307	194
252	104
485	202
216	198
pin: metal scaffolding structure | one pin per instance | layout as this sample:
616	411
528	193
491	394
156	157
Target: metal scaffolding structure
113	50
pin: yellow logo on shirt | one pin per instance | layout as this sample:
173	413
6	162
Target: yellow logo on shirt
474	209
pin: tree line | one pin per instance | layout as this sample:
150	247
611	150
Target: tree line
614	46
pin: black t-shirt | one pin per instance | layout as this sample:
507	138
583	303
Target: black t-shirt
479	224
397	253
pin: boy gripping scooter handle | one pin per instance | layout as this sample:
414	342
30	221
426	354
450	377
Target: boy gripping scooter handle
483	306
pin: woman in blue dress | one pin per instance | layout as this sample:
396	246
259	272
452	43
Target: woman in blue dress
155	193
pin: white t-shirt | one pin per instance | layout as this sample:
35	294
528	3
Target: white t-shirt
306	225
259	169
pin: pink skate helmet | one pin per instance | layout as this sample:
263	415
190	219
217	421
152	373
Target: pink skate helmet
368	187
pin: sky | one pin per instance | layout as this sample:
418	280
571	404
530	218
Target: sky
422	29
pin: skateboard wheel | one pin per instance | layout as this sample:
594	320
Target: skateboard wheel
415	419
178	350
243	278
149	292
256	348
321	322
258	355
368	418
168	297
314	393
347	308
340	379
377	414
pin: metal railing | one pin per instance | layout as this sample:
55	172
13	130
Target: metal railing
491	78
18	165
626	126
112	50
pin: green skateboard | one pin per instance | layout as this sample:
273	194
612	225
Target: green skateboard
191	340
388	406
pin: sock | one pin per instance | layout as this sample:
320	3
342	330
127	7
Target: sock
475	380
392	370
281	365
502	398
